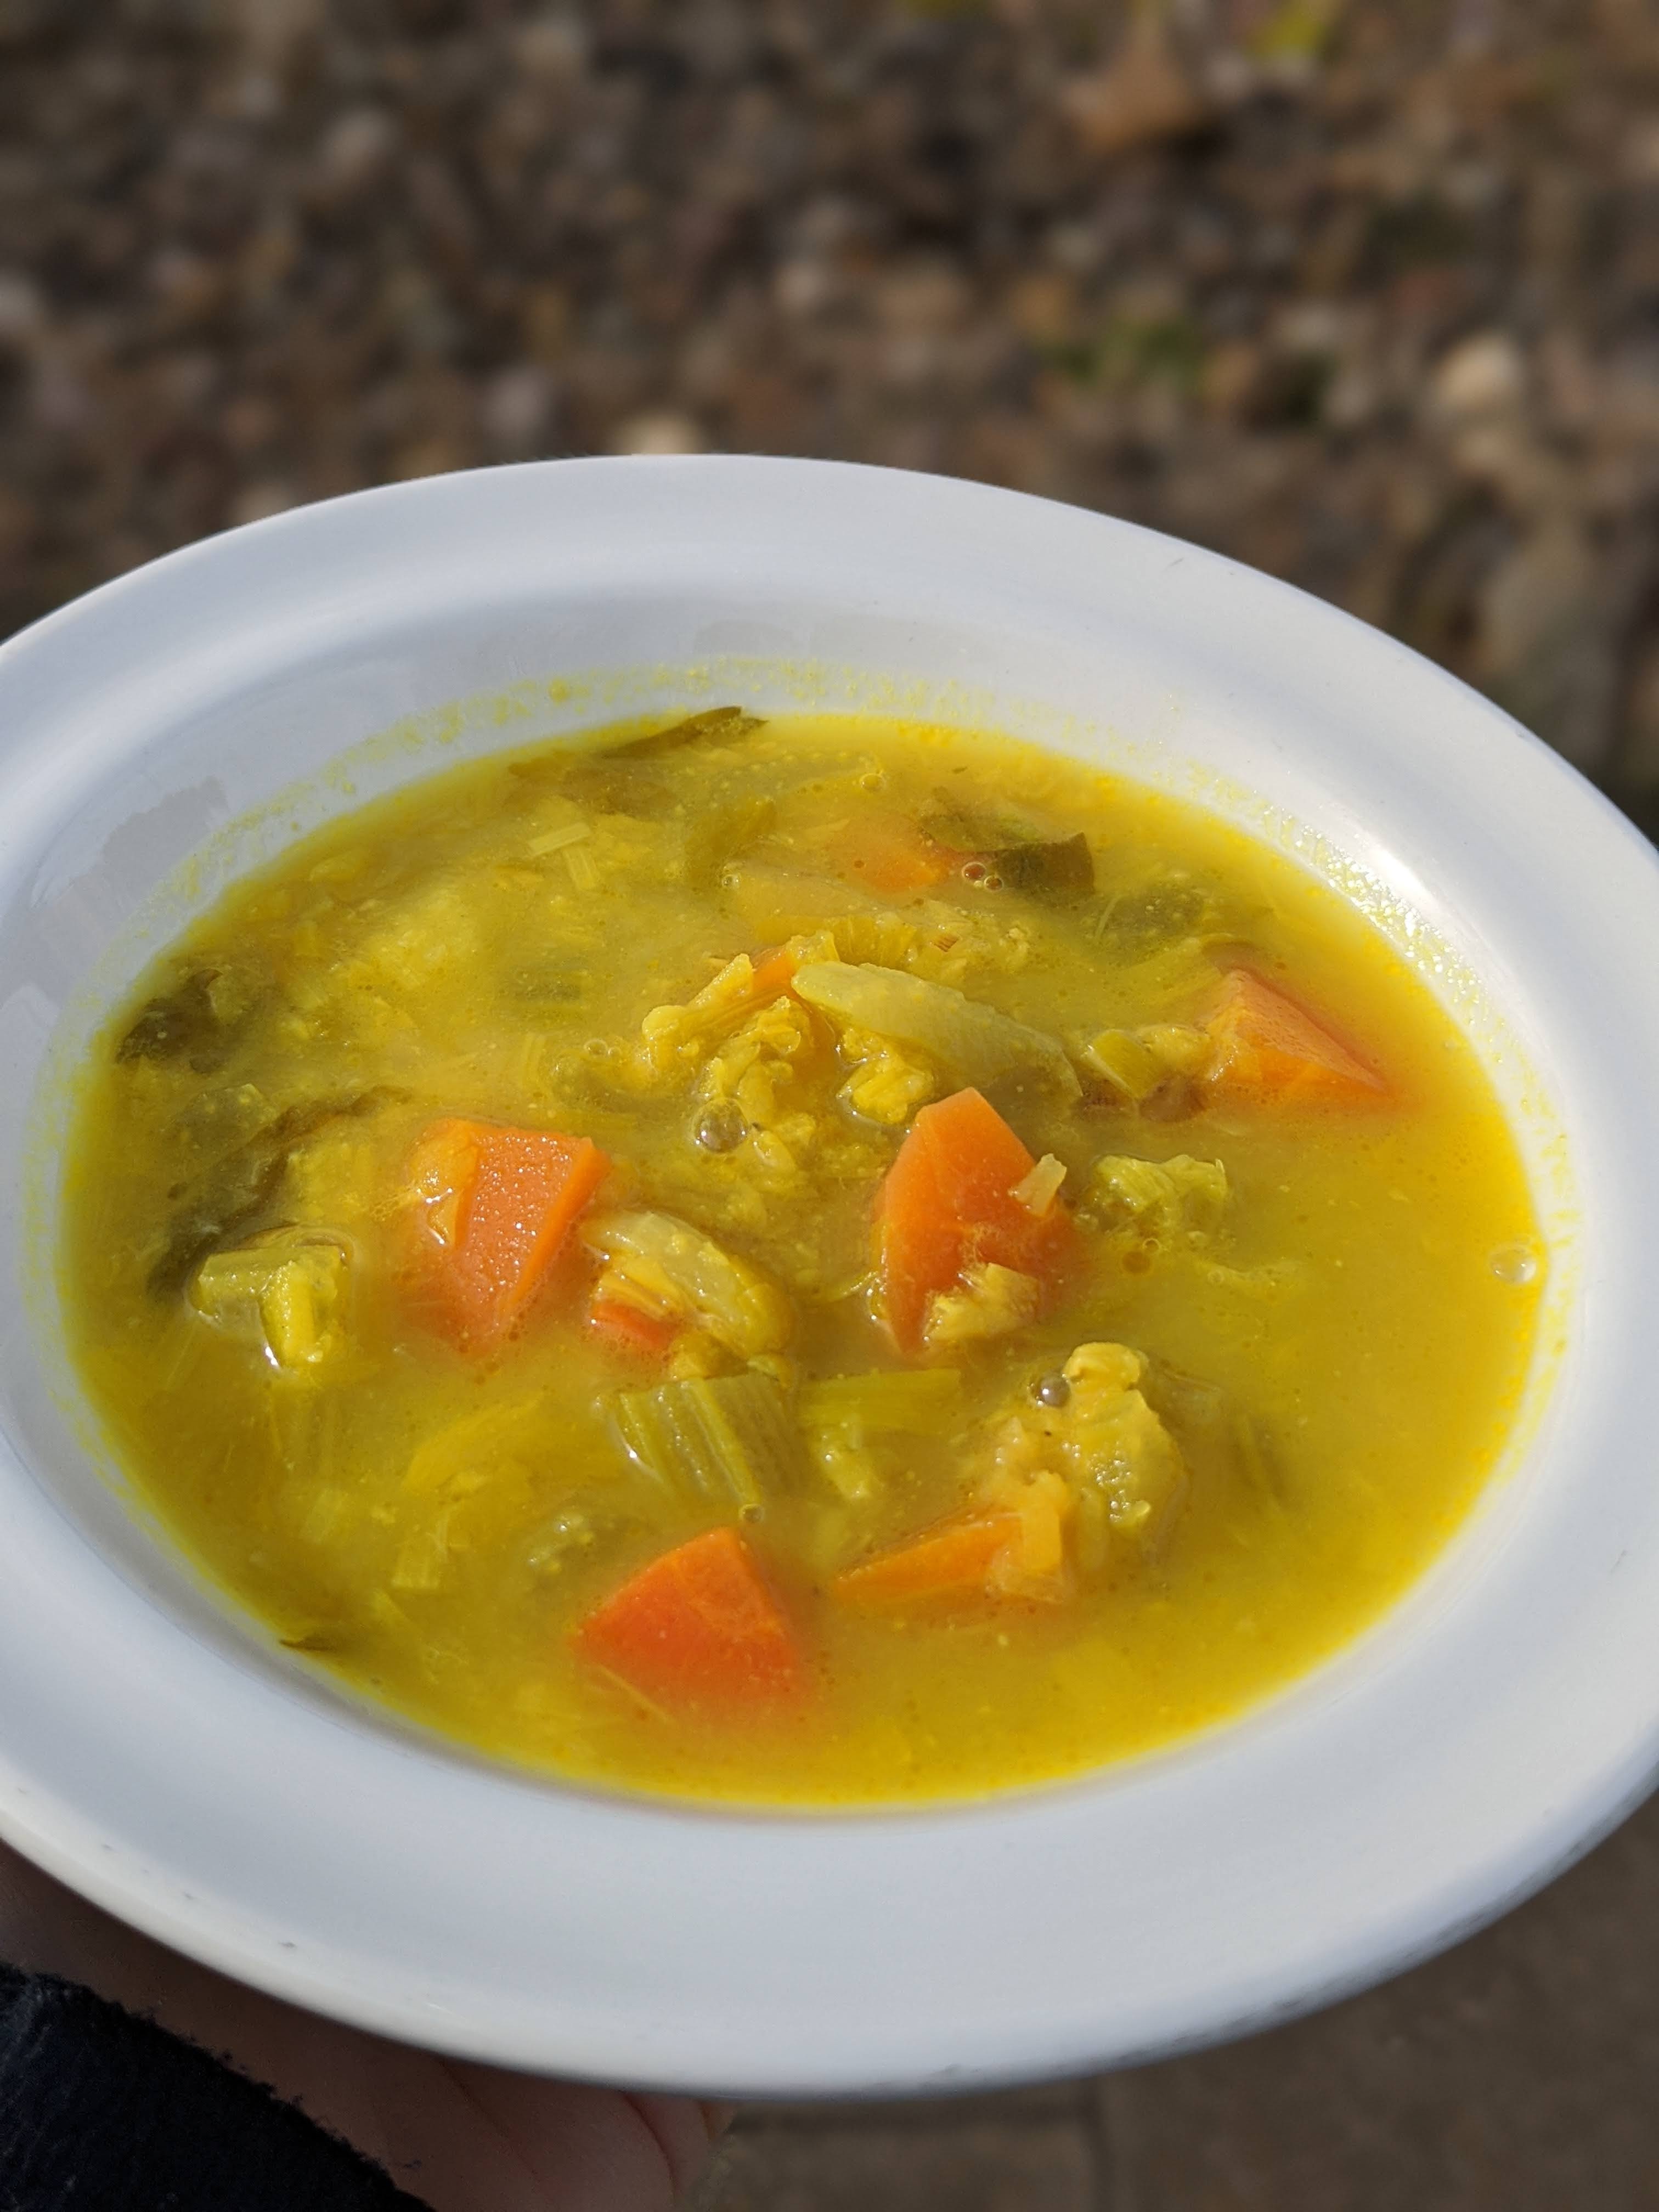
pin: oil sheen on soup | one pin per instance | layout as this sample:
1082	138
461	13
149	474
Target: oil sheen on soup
818	1260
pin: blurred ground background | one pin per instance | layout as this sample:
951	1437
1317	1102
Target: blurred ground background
1365	293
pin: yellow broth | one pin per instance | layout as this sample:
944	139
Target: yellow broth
1334	1351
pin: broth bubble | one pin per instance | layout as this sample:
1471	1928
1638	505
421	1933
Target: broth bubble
721	1129
1515	1263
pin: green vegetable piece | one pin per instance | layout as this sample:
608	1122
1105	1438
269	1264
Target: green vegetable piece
170	1026
966	829
722	835
200	1020
975	1043
600	783
238	1189
725	1442
1192	1408
714	722
1023	858
1064	869
319	1641
231	1200
1153	917
1128	1062
283	1293
910	1402
550	982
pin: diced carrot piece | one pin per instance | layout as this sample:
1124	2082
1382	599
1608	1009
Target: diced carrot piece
494	1205
886	853
953	1562
1269	1048
697	1628
625	1328
948	1202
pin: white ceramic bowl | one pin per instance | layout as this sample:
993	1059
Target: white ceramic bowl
160	1753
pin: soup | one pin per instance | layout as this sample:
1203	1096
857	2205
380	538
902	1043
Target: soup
818	1260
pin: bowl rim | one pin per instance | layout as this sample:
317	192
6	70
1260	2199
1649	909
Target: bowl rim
140	1768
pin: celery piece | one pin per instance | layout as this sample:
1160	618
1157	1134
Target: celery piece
554	840
1138	1062
1127	1061
976	1041
284	1293
422	1560
728	1440
914	1402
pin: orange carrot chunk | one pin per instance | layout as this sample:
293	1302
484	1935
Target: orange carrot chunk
952	1563
948	1202
885	853
1269	1050
698	1629
773	973
494	1205
625	1328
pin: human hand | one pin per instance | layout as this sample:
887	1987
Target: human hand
463	2138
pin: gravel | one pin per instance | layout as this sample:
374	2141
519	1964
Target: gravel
1366	294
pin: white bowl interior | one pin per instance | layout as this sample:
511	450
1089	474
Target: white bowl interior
165	1756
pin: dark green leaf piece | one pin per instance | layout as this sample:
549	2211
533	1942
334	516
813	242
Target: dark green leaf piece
725	722
1063	869
1142	922
966	830
721	835
239	1189
180	1021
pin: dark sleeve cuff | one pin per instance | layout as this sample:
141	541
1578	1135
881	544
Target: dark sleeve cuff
103	2111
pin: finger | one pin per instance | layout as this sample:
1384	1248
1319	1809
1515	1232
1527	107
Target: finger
717	2117
593	2149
